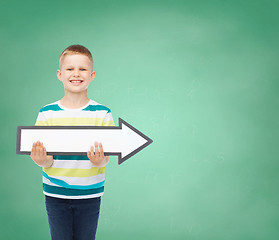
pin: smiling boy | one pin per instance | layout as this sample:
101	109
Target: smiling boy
73	185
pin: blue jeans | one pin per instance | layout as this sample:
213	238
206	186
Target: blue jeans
72	219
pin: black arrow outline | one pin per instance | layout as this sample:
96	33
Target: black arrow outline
120	120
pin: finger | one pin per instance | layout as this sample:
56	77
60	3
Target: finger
97	153
101	151
33	148
37	145
41	151
92	152
32	151
37	150
44	151
89	154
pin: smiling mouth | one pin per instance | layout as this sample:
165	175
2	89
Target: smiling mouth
76	81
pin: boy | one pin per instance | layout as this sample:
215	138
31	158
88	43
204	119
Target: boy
73	185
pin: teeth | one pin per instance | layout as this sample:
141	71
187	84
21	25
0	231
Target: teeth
76	81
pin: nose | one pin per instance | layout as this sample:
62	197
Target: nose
76	73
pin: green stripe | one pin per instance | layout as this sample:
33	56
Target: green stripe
96	108
70	157
53	107
71	192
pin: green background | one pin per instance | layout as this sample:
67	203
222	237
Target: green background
200	78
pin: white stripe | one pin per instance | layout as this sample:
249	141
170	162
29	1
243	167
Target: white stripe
92	102
46	181
69	114
78	180
108	117
80	164
74	197
41	117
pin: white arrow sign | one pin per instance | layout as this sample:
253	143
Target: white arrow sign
124	141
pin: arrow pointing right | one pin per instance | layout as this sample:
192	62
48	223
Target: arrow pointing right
123	141
132	140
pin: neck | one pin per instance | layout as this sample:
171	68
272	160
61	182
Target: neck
74	100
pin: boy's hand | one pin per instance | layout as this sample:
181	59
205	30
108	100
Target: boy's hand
97	157
39	156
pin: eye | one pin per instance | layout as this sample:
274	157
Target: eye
69	69
82	69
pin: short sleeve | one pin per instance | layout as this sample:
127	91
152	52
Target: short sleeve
108	120
41	119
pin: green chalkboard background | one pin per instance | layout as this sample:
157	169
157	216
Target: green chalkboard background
198	77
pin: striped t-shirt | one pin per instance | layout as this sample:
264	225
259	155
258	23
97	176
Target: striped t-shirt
74	177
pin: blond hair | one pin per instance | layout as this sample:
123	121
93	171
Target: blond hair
75	49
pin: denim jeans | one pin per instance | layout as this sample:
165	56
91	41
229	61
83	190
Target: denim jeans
72	219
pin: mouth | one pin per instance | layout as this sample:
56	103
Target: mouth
76	82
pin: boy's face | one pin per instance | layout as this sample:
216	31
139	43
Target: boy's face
76	72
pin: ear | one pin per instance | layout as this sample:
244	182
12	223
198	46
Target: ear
92	76
59	74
